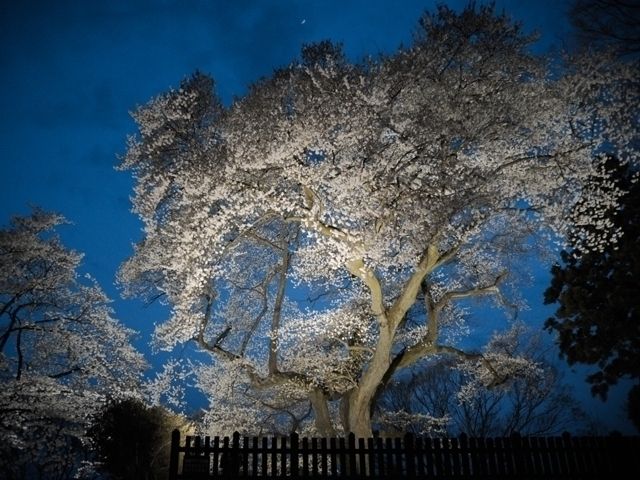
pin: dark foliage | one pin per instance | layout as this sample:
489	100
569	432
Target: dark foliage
598	320
611	23
132	440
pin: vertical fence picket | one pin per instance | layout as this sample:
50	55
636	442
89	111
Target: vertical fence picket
584	458
455	461
465	461
382	470
305	457
506	458
524	462
254	456
389	460
187	445
264	457
314	457
352	466
565	457
533	452
244	456
333	457
174	456
410	455
362	459
419	457
284	450
216	453
615	449
490	457
429	456
234	459
509	456
273	459
398	458
207	449
342	457
437	453
481	457
324	457
571	453
552	454
593	458
293	442
225	459
545	457
372	471
605	454
632	449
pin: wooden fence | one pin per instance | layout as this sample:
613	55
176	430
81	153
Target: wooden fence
515	457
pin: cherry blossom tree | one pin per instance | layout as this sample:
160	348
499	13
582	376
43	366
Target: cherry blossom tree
324	232
61	352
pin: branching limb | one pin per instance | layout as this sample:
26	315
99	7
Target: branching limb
498	379
262	291
65	372
20	354
427	344
429	261
473	292
314	207
213	347
277	306
251	232
357	268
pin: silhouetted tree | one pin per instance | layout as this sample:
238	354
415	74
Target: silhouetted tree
132	440
598	320
613	23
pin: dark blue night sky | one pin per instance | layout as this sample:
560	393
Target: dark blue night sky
72	70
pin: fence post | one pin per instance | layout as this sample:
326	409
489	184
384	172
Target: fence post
294	454
235	454
352	466
410	455
520	467
173	458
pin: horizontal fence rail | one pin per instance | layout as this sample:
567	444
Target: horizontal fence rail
411	457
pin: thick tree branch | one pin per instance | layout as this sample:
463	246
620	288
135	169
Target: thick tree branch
472	292
320	406
407	297
277	306
20	355
427	344
215	346
65	372
357	268
264	286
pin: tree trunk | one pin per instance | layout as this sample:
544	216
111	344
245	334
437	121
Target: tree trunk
323	422
360	399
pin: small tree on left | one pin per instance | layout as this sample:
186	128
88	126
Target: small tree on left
62	354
